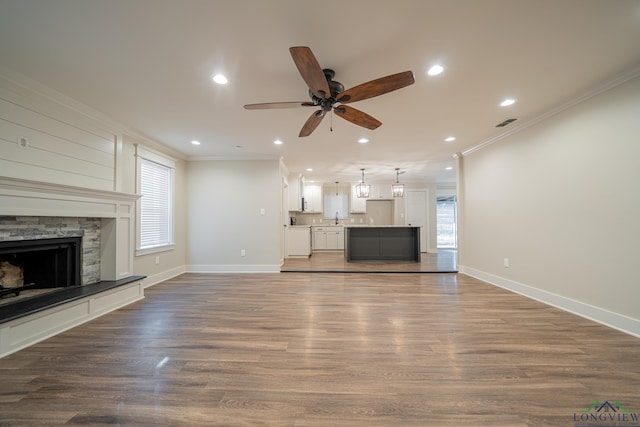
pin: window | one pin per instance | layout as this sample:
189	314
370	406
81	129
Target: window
155	207
336	205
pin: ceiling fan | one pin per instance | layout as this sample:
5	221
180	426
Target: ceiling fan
330	95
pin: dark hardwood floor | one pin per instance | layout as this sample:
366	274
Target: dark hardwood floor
314	349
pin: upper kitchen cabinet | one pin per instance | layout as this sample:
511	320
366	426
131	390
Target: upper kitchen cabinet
312	198
381	191
358	205
296	185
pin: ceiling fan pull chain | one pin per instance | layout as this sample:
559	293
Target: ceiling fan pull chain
331	124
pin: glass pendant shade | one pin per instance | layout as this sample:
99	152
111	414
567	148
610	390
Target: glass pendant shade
362	189
397	189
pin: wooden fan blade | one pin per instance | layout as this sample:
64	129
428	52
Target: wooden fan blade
310	71
270	105
357	117
376	87
312	123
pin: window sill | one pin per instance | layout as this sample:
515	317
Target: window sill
155	249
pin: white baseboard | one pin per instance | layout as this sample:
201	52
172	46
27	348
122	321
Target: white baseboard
28	330
161	277
605	317
224	268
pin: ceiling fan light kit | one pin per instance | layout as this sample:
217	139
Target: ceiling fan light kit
325	93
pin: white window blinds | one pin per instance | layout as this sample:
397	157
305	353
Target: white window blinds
155	176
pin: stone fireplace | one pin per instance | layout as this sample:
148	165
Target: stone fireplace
47	253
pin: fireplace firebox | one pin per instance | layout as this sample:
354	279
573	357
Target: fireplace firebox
40	264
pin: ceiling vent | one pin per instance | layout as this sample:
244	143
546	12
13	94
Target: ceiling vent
506	122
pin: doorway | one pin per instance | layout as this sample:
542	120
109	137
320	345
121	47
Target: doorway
417	214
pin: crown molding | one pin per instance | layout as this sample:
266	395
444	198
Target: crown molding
256	157
608	84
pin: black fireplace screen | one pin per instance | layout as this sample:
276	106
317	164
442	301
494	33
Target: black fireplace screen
42	263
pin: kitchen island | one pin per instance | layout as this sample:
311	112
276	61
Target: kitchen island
382	242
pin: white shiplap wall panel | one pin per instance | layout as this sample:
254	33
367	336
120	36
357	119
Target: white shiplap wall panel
53	161
65	146
13	169
38	140
51	107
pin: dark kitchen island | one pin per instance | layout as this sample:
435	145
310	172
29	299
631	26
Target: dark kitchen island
383	243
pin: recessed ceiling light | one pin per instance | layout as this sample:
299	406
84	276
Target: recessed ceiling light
435	70
363	140
220	79
194	142
507	102
277	142
449	168
309	169
450	138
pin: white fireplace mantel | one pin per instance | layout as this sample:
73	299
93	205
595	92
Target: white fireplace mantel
24	197
20	197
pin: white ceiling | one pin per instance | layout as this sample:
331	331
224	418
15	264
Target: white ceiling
147	64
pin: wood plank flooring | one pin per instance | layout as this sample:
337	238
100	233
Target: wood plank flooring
313	349
443	261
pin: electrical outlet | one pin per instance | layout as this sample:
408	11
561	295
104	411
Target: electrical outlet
505	262
157	260
243	252
262	211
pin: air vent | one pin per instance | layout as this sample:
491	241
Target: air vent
506	122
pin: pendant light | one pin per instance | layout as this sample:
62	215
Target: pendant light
397	189
362	189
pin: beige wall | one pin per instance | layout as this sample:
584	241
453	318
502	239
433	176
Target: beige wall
231	206
561	200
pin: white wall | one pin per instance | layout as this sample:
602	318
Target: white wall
561	200
225	199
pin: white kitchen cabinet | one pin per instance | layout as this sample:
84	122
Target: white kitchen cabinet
319	240
296	185
380	191
313	198
358	205
335	240
328	238
298	243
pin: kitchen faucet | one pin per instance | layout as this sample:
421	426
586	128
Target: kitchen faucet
336	218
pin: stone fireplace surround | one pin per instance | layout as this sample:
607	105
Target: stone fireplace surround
105	219
20	228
